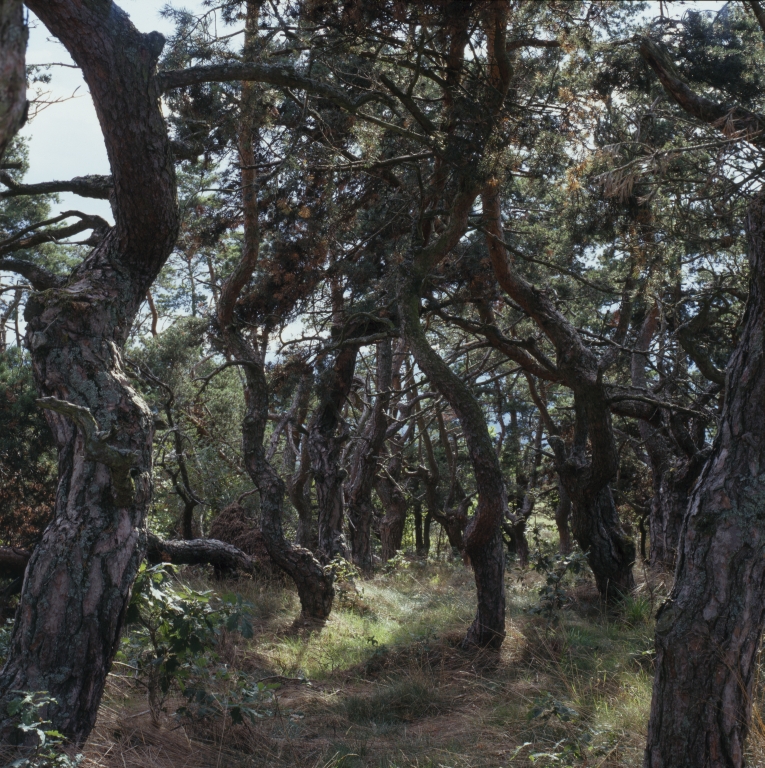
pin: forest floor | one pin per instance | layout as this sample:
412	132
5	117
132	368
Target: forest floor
386	685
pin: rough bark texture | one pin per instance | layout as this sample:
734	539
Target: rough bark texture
364	463
220	554
708	632
13	77
79	578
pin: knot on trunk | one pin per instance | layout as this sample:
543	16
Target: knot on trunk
122	462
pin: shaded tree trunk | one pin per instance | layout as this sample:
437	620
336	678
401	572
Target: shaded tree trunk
78	582
364	463
708	632
391	493
325	445
518	521
672	477
562	515
13	76
314	586
298	475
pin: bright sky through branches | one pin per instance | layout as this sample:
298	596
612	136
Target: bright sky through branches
65	138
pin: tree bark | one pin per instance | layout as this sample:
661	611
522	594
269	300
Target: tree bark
391	493
325	445
299	476
708	632
562	515
78	582
364	463
314	585
13	76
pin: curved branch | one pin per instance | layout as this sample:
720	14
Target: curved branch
282	76
730	119
39	277
95	186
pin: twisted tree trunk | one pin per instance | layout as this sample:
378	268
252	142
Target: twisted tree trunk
78	582
364	463
314	585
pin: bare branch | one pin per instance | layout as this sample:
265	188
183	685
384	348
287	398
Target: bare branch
98	187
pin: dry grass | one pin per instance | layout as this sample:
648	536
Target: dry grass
390	688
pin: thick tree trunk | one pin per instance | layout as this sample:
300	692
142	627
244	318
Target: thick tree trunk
610	552
78	582
708	632
364	463
13	76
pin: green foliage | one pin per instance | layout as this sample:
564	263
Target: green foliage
28	712
637	609
348	595
173	639
557	569
28	469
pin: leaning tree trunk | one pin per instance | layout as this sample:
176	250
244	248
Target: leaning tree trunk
13	79
364	463
78	582
483	539
708	632
314	585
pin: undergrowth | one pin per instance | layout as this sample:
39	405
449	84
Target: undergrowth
385	684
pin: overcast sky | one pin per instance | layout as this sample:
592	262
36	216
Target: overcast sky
65	138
